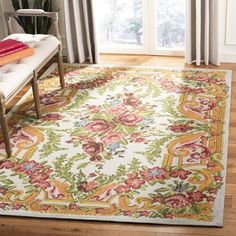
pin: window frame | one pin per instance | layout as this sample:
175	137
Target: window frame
149	39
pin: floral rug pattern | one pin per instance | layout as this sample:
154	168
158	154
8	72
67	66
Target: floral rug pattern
121	144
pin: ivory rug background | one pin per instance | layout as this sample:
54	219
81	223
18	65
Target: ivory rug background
121	144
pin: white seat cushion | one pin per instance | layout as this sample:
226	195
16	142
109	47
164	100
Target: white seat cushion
13	75
43	44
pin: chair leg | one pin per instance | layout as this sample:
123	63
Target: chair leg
35	89
4	127
60	68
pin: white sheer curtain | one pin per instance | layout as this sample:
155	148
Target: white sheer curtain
202	32
80	31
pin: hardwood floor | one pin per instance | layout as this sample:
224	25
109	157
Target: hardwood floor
35	227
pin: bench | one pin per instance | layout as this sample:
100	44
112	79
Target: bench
14	76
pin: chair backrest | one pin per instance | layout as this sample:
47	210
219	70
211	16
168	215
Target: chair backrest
33	13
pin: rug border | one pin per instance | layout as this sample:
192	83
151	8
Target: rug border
221	197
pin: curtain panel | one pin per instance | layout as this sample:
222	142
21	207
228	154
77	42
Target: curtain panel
80	31
202	32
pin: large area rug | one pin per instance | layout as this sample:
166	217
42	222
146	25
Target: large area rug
121	144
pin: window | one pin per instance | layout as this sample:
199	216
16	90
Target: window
141	26
170	25
120	24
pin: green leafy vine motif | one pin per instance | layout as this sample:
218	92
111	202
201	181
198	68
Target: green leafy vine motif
53	143
169	106
155	148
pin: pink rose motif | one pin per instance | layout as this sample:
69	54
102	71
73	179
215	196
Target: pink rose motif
72	73
176	201
46	207
201	78
218	178
166	84
127	213
112	137
136	137
182	128
48	99
81	85
196	196
92	174
42	185
154	173
122	189
100	81
117	109
182	174
51	117
168	215
98	125
47	171
94	109
73	206
210	198
38	178
3	190
197	90
93	148
212	190
100	210
158	199
140	140
131	100
16	206
90	84
2	145
87	186
6	165
144	213
3	205
28	167
96	158
211	164
134	181
128	119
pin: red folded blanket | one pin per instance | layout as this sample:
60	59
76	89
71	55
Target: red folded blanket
9	44
8	52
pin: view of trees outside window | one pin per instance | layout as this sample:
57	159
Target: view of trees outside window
170	23
120	23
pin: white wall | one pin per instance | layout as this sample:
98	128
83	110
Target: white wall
228	30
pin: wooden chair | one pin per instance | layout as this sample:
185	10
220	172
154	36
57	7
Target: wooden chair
14	76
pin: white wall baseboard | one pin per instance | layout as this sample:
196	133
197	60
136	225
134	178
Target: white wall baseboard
228	58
